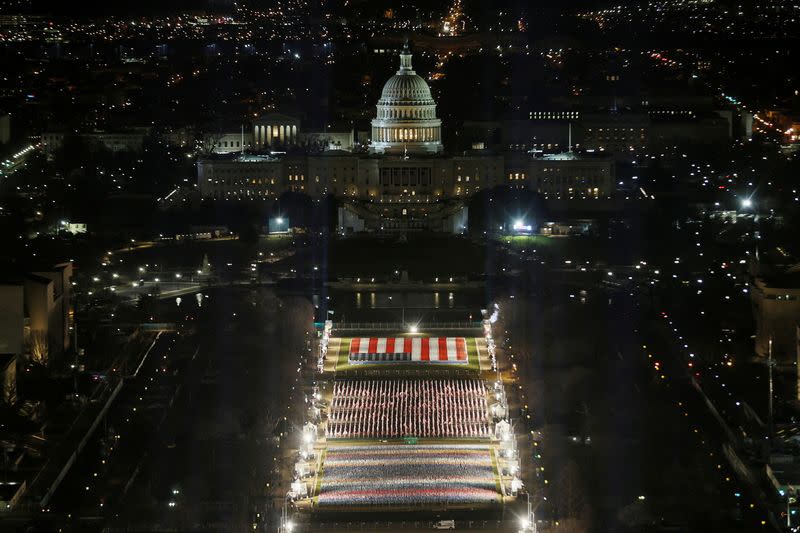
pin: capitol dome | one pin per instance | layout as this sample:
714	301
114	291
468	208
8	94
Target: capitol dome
406	88
406	119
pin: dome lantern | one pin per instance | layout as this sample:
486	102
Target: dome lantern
405	59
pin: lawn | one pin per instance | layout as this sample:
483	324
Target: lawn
424	256
533	241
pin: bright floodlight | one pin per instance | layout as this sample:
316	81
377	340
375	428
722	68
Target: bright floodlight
413	328
279	220
747	203
524	523
290	526
520	225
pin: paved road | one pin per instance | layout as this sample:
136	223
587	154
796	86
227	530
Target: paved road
214	448
508	528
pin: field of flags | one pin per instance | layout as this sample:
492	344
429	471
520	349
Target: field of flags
408	475
391	433
393	408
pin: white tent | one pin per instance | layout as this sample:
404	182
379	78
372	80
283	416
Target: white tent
502	430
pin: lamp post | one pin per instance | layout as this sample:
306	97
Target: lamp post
286	525
530	520
770	364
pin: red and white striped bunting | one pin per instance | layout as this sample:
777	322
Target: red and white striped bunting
447	349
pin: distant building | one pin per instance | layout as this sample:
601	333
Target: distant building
8	378
36	311
787	120
695	128
52	141
5	128
274	130
560	175
121	141
232	142
776	309
569	227
242	177
12	309
328	140
647	126
614	132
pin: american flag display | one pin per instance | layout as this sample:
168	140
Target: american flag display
400	408
408	350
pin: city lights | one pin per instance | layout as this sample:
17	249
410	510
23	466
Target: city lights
400	266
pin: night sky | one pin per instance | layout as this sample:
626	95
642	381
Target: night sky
147	7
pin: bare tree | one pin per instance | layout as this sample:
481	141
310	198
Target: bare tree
570	491
39	347
208	141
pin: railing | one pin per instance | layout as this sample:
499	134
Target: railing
399	326
428	372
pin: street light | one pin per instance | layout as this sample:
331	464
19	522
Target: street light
531	519
747	203
285	523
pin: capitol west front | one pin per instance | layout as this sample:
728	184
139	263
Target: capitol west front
404	181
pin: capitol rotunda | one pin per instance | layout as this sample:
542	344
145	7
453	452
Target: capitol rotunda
406	120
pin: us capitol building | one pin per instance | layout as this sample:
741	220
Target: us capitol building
403	181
